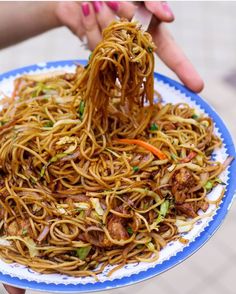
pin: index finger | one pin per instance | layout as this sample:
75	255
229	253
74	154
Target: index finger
172	55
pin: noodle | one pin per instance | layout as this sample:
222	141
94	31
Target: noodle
92	175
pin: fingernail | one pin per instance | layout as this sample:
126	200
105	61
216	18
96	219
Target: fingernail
114	5
167	9
97	6
85	9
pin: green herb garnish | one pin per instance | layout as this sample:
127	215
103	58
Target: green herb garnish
42	172
3	122
48	124
219	181
153	127
208	185
164	208
57	156
81	109
149	49
83	252
24	232
33	180
129	230
173	156
135	169
195	116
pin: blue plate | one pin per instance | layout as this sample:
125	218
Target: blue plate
173	260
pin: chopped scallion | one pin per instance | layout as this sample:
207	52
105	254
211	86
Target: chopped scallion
129	230
195	116
83	252
48	124
208	185
135	169
81	109
153	127
164	208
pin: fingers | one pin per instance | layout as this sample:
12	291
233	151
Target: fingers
91	27
69	14
104	14
13	290
122	9
126	9
161	10
175	59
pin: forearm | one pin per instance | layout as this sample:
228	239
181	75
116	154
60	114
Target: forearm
22	20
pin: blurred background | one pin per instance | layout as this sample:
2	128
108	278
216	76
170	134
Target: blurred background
206	31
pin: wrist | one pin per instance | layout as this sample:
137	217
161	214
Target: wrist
49	10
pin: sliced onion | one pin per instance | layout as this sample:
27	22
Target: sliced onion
43	234
71	156
227	162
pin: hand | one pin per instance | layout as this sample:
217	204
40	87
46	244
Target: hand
13	290
89	18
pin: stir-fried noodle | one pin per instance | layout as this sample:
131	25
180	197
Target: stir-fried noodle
91	174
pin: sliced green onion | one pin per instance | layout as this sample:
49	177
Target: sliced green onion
57	156
195	116
33	180
83	252
173	156
129	230
81	108
164	208
153	127
48	124
219	181
24	232
2	122
135	169
149	49
208	185
81	214
42	172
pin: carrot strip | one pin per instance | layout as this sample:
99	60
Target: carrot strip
145	145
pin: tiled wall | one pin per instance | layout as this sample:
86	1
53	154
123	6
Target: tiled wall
207	33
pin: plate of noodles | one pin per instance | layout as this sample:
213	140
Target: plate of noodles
110	173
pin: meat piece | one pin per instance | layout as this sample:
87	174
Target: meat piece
169	126
203	205
19	227
187	209
1	213
190	156
96	237
117	229
182	182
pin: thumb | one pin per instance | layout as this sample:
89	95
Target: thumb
161	10
14	290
